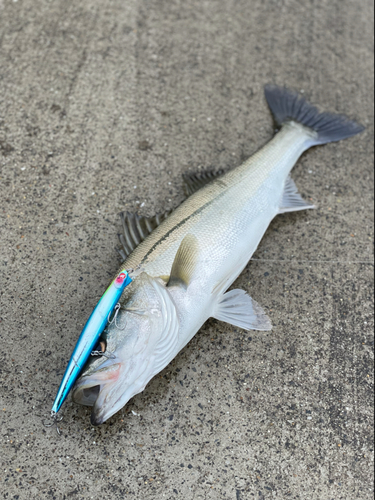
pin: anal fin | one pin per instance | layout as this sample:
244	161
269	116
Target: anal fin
239	309
291	200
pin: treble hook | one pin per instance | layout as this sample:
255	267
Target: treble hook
116	310
114	319
107	355
55	419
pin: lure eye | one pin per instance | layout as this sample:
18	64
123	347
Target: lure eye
121	278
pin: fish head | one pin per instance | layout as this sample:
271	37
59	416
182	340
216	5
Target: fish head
133	342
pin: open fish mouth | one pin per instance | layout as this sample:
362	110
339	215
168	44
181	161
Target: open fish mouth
109	388
89	396
98	390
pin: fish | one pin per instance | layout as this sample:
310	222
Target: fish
187	259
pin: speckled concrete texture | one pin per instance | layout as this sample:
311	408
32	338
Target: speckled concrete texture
103	105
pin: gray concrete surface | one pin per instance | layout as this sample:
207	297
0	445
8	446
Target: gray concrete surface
103	105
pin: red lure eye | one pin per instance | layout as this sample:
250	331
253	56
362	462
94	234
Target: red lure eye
120	278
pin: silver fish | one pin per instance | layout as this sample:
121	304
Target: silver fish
188	259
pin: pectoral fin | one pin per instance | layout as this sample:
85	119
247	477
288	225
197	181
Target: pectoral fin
239	309
185	262
291	200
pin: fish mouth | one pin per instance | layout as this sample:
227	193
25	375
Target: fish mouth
98	390
108	389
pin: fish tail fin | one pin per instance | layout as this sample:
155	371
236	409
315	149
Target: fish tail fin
287	105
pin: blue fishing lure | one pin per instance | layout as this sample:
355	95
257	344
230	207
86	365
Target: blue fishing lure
90	336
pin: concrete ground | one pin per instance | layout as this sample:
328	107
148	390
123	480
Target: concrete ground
103	105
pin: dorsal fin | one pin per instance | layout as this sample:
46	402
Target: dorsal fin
193	182
136	228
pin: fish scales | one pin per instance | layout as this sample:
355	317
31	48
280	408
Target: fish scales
238	200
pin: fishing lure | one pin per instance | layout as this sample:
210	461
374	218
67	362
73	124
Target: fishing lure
90	336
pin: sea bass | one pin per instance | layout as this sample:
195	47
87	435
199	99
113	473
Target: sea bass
186	260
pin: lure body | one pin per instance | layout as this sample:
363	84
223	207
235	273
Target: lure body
90	336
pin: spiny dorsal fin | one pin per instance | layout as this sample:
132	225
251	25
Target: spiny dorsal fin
184	262
291	200
193	182
136	228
